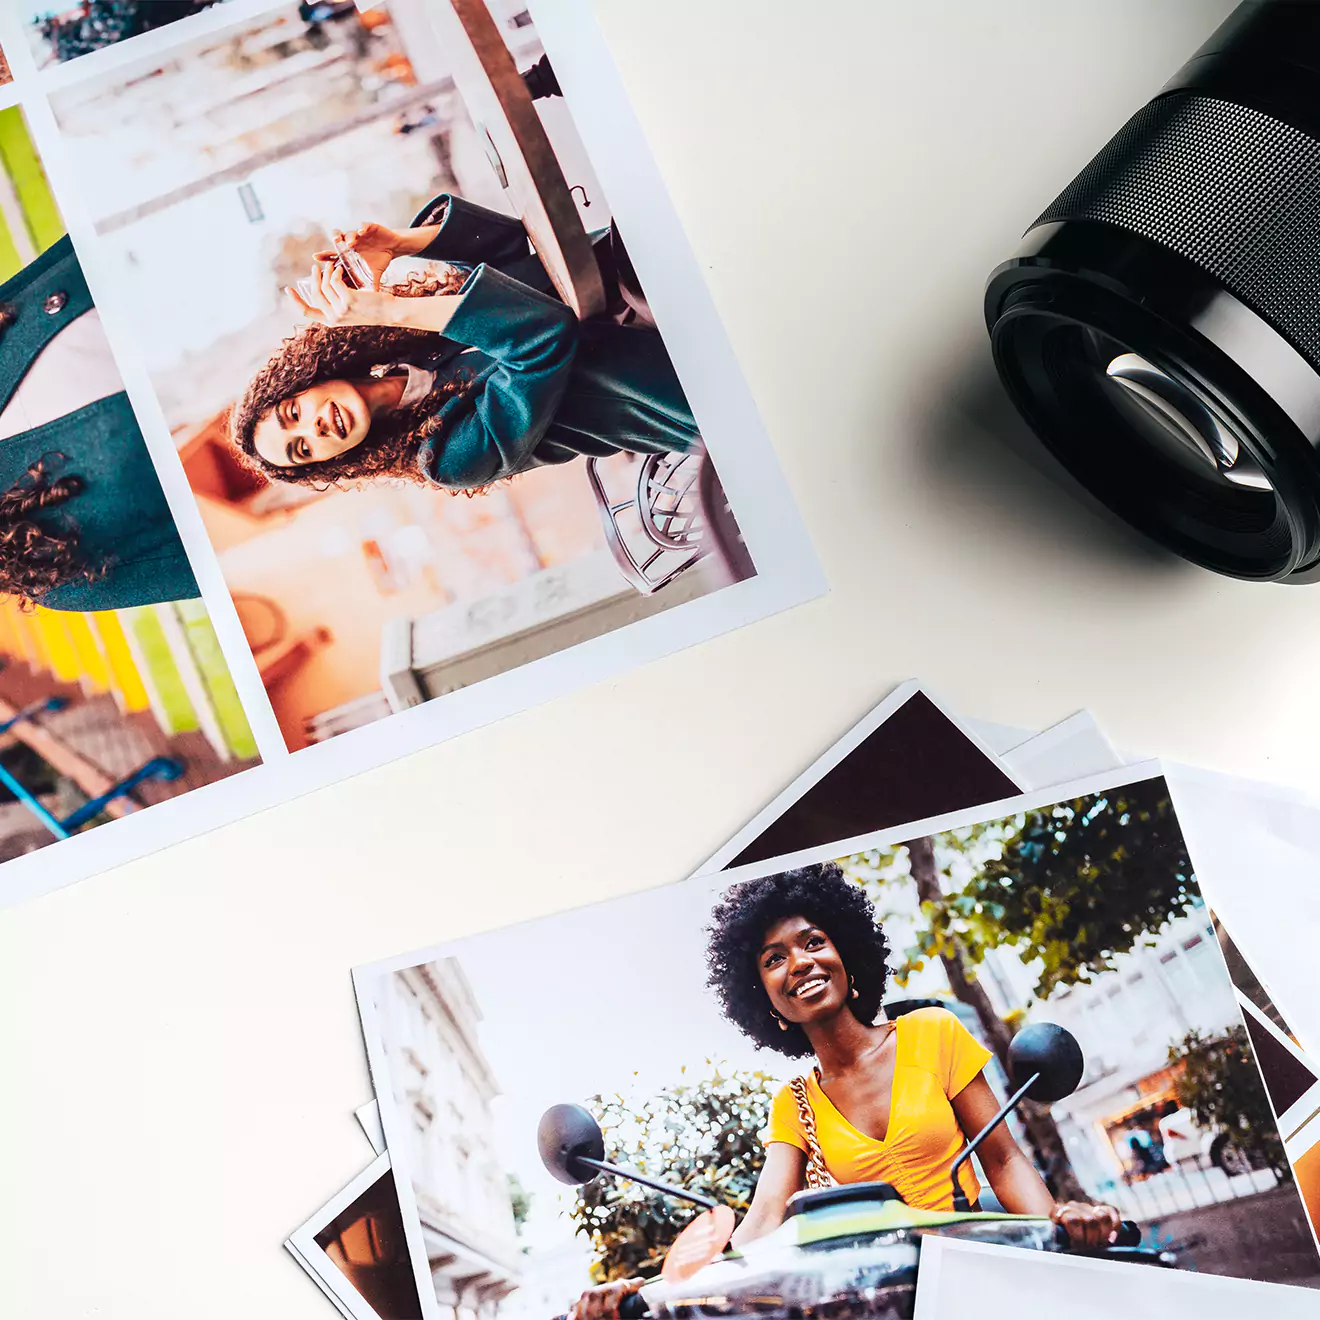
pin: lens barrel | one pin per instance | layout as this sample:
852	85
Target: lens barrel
1159	327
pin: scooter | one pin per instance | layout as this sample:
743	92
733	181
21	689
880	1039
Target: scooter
841	1252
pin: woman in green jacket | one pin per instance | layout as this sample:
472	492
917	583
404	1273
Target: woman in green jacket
459	380
83	522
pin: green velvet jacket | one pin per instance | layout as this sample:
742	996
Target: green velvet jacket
124	527
544	387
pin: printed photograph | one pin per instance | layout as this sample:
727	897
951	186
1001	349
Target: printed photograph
415	383
356	1249
114	693
63	33
768	1089
366	1244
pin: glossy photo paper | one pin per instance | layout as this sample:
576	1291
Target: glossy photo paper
521	460
1141	985
115	694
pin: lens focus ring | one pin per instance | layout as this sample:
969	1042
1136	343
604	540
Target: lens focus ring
1231	189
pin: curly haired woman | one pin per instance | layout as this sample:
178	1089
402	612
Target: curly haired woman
457	380
798	963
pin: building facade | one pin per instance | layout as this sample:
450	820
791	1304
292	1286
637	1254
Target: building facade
444	1085
1126	1022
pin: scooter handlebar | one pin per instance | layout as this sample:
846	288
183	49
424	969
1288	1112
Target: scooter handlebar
631	1307
1129	1235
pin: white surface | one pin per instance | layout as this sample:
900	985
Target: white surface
848	172
961	1279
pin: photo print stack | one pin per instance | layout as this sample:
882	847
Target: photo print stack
984	890
397	435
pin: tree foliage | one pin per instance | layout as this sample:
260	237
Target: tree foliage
1086	880
78	29
520	1202
1068	888
1220	1083
1072	885
703	1135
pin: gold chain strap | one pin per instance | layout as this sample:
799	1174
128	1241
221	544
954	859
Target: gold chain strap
817	1174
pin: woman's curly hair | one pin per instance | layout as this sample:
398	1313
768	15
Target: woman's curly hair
36	559
318	352
736	935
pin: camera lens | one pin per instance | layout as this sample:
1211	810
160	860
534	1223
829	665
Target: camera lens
1159	327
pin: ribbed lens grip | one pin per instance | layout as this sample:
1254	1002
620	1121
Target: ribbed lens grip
1229	188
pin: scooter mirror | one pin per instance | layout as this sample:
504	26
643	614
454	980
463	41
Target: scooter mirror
565	1135
1052	1055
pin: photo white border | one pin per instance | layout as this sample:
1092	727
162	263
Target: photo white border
1261	811
1299	1124
311	1273
302	1244
368	1117
788	571
1243	1297
1076	742
367	976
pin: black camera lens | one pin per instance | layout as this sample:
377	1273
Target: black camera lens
1159	327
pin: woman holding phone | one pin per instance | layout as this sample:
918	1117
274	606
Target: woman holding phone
457	380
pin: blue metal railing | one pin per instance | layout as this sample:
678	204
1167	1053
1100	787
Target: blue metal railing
159	767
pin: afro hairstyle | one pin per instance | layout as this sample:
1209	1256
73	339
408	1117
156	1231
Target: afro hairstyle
736	935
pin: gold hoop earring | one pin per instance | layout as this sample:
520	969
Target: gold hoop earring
783	1026
853	985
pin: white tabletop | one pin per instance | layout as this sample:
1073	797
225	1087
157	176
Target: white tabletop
181	1058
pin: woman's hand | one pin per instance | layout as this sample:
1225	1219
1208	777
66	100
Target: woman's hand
1090	1227
327	300
375	244
602	1301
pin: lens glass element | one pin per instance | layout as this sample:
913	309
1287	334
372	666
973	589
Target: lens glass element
1149	436
1182	426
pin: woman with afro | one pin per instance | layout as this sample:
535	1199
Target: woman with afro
798	963
472	374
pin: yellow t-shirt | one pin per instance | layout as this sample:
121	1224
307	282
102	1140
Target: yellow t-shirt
935	1058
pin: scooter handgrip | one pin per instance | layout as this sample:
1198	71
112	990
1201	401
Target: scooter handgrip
1129	1235
632	1307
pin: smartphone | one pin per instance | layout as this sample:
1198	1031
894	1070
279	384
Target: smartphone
356	272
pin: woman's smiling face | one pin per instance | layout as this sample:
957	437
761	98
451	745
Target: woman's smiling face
317	424
801	971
